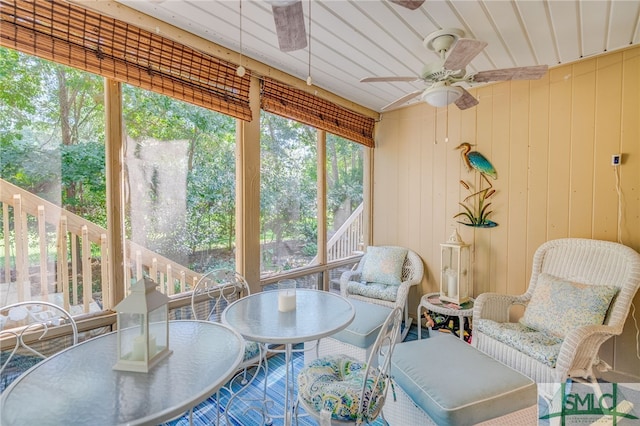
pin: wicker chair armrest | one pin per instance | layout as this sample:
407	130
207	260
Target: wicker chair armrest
494	306
579	351
403	292
346	277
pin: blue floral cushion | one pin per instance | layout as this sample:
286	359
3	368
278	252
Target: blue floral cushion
333	384
539	346
383	265
374	290
558	306
251	350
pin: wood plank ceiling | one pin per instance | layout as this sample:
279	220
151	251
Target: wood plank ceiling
354	39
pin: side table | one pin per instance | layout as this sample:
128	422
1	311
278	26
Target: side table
431	302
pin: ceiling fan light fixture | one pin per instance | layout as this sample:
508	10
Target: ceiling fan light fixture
440	96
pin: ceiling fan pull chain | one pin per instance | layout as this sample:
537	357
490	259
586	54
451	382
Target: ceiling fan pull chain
309	80
240	71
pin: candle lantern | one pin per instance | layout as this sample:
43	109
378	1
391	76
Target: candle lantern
455	282
143	328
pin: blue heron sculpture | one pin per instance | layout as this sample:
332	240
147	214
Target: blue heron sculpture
475	161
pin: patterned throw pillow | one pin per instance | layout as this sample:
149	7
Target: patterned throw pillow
558	306
384	265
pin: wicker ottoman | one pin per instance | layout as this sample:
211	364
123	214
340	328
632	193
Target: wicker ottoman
357	339
444	381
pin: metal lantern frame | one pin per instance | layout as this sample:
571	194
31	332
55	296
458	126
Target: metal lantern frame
143	328
455	270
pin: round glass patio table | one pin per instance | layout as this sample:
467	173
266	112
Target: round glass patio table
79	385
318	314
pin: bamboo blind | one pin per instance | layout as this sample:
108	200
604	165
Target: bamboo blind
87	40
286	101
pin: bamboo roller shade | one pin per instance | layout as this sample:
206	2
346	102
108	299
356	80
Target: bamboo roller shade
83	39
87	40
306	108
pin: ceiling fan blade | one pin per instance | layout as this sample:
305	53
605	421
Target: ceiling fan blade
463	52
387	79
289	20
402	100
409	4
466	100
520	73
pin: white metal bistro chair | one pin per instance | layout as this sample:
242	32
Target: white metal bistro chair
340	389
30	332
211	295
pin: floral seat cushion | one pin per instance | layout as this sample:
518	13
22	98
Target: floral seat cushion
373	290
333	384
251	350
540	346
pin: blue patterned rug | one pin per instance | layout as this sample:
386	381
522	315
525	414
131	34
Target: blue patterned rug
241	412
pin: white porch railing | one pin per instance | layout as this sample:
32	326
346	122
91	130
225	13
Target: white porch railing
348	239
32	227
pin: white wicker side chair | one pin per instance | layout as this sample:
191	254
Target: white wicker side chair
355	285
589	282
30	332
211	295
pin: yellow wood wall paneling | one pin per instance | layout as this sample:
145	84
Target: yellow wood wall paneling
468	128
516	184
630	149
455	168
482	272
625	357
551	141
428	201
607	142
501	146
414	190
581	159
561	82
406	145
385	178
440	150
538	175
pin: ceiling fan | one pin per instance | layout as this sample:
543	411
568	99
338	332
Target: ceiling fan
289	19
446	75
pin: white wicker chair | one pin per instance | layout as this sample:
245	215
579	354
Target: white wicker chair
412	272
585	261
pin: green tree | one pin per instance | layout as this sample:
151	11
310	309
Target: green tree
52	132
344	176
210	193
288	183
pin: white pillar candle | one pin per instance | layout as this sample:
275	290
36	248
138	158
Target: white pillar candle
138	349
452	281
287	300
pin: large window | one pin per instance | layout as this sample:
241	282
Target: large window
288	191
178	190
51	146
179	186
344	207
290	201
